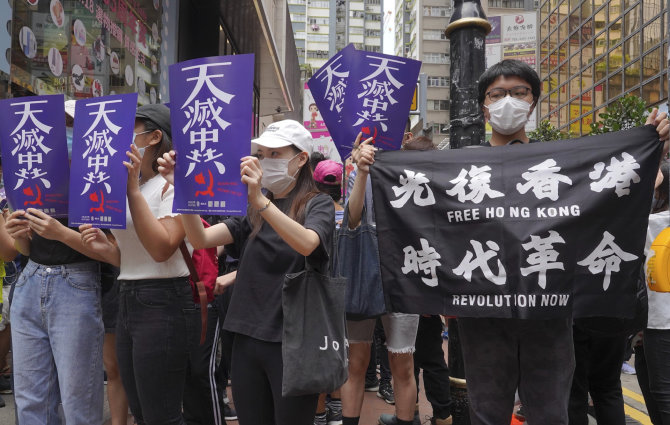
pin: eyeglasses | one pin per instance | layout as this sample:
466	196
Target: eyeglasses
518	92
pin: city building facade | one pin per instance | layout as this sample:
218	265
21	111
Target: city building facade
593	52
323	27
420	26
88	48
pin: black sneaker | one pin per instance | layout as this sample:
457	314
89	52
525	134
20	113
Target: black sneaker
5	385
320	419
520	414
371	385
386	392
387	419
333	416
229	413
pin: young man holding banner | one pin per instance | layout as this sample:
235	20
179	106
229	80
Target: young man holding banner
501	355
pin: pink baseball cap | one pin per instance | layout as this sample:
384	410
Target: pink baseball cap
328	172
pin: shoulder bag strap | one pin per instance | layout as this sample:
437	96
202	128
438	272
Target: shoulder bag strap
202	294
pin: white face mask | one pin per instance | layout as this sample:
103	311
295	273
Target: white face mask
275	174
139	148
508	115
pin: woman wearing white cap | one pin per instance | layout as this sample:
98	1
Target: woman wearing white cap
282	230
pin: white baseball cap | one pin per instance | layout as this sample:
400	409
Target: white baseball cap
284	133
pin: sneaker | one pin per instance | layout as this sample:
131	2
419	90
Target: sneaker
5	385
320	419
371	385
520	414
333	415
386	392
229	413
437	421
627	369
387	419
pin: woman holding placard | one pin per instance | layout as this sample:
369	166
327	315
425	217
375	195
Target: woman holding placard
291	225
156	309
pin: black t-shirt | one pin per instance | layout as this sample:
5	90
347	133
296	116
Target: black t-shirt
513	142
255	308
50	252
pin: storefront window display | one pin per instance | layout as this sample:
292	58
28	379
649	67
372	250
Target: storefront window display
87	48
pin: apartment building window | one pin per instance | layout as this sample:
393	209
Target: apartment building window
514	4
440	128
317	54
438	105
438	82
317	3
318	21
319	38
357	14
439	11
356	30
373	2
434	35
373	33
441	58
302	2
376	49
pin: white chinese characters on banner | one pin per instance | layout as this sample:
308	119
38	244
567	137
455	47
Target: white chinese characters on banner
98	143
336	83
543	178
204	115
28	137
478	180
480	260
424	260
619	175
606	257
377	91
544	258
413	186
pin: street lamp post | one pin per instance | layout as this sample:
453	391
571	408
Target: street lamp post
467	31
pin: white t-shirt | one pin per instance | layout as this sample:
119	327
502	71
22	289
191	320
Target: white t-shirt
659	302
136	262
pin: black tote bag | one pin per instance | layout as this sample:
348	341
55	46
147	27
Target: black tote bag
314	335
357	259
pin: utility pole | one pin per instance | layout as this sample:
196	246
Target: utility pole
467	32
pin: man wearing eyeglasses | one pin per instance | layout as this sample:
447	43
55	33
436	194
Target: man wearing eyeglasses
501	355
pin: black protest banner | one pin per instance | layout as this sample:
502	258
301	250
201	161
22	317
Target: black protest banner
539	231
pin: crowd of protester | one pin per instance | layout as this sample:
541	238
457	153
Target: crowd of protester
84	301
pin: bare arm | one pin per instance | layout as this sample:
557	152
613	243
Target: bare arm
7	249
302	240
200	237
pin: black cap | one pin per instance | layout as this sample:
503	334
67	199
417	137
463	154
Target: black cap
159	114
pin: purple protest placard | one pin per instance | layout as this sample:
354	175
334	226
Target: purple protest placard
211	110
34	150
328	87
378	98
103	132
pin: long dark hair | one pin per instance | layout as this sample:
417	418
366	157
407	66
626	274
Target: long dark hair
304	190
164	146
661	193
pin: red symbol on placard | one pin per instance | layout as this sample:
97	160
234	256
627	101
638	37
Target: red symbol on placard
100	200
28	191
368	133
200	179
518	19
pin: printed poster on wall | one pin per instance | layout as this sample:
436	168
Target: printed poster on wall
496	26
210	101
530	231
103	132
35	167
521	28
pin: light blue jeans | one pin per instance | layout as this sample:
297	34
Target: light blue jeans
57	336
